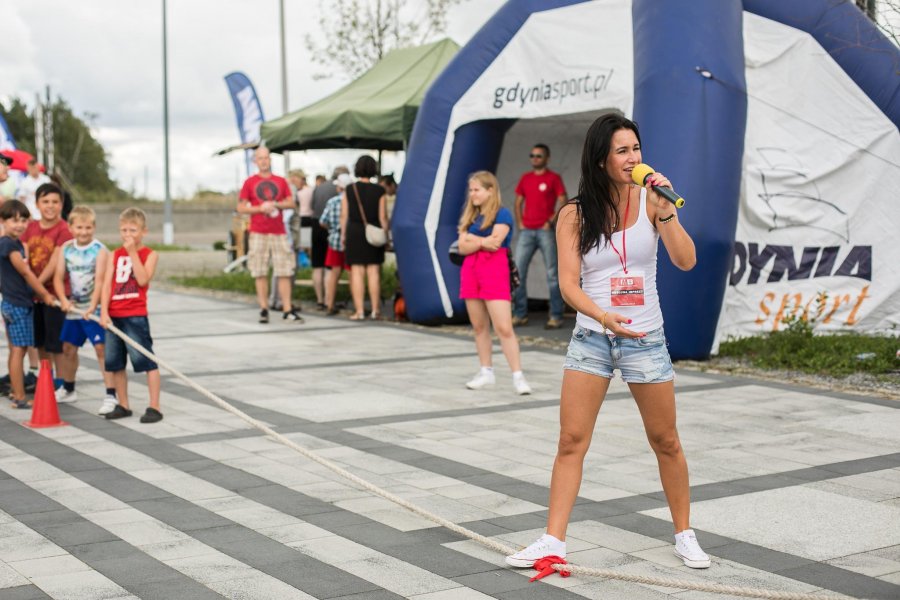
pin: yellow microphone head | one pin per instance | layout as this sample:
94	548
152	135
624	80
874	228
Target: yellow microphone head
639	173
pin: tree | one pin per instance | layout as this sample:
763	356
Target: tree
355	34
885	14
77	154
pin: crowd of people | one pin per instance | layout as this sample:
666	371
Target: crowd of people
61	287
338	214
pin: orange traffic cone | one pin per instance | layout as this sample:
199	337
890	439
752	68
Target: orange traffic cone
44	412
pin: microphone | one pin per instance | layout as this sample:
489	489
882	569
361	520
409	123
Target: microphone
639	175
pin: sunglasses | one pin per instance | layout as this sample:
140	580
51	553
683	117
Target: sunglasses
535	156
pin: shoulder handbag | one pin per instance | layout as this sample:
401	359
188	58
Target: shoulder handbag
455	257
514	279
374	235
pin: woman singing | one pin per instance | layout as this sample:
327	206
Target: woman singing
607	239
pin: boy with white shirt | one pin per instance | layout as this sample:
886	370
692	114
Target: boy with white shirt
81	263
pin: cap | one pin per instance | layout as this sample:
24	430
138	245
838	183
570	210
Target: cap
343	180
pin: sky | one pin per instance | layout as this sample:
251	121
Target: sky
104	57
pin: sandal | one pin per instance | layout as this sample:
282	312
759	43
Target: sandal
358	317
24	404
375	316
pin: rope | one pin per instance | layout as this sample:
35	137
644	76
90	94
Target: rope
493	544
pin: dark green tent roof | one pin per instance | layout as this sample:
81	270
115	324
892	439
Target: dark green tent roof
376	111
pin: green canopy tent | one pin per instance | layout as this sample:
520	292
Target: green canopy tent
374	112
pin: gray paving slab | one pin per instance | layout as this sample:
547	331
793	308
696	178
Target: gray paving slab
456	452
91	545
24	592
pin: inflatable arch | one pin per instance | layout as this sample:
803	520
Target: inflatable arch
543	70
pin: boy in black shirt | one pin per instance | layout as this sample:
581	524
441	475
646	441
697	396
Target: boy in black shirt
16	285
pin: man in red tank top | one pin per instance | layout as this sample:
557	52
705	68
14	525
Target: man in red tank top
123	303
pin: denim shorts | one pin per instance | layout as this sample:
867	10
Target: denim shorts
640	360
138	329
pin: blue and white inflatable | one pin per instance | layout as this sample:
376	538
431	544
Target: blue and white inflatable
777	121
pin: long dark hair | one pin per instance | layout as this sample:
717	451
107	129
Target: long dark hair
596	209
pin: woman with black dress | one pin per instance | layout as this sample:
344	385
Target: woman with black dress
361	203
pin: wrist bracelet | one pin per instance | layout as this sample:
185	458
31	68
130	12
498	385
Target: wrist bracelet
667	219
602	321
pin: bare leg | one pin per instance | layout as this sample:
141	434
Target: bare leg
318	277
100	349
16	364
121	384
34	359
67	365
501	318
580	401
656	401
331	283
284	290
262	292
373	274
481	325
153	384
357	274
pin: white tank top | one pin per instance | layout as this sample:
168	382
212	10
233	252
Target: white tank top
602	263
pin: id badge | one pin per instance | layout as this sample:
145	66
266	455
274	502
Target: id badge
627	289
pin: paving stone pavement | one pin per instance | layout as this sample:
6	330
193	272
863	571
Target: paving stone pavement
793	489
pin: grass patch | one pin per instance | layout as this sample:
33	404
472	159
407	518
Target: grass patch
242	282
797	348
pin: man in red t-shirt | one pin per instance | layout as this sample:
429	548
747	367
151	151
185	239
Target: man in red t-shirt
539	196
263	197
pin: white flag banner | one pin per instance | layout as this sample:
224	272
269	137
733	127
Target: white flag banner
818	223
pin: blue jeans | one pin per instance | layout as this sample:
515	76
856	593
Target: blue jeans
530	240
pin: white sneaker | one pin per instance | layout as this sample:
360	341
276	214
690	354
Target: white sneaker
546	545
688	550
482	379
62	396
522	387
109	404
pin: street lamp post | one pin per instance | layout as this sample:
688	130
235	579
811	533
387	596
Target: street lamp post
168	225
284	90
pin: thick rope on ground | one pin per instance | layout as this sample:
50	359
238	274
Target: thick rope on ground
493	544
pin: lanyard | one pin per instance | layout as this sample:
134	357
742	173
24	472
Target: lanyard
623	257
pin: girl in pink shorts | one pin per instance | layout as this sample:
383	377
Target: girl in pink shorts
485	233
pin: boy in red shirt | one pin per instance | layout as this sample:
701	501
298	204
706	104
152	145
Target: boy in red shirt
123	302
41	239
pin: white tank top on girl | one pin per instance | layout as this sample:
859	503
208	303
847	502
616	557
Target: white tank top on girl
601	264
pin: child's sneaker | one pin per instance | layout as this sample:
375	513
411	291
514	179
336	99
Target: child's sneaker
151	416
546	545
521	385
292	316
264	315
109	404
483	379
688	550
30	381
119	412
62	396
